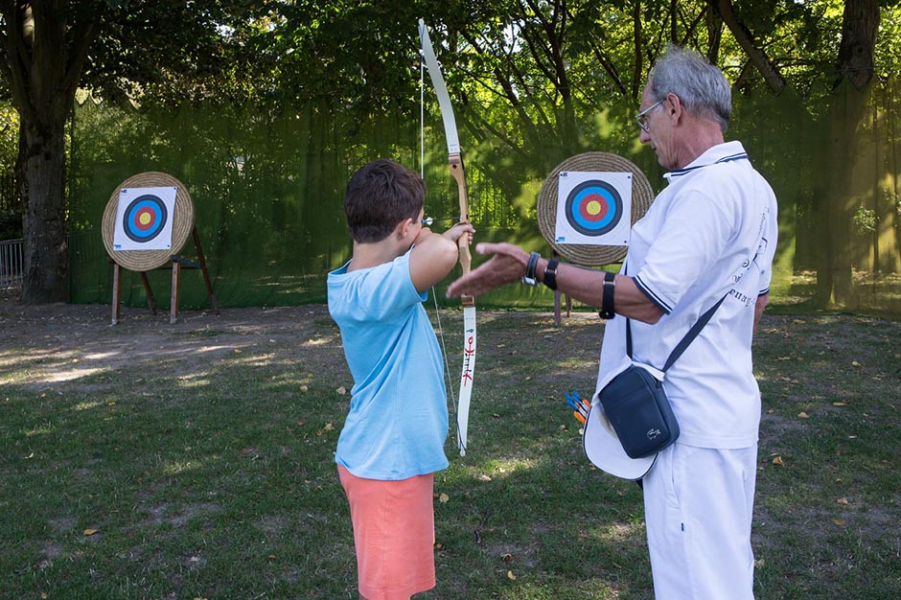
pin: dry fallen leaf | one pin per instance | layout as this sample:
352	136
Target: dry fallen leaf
855	364
838	522
803	415
484	478
839	404
842	500
342	390
90	532
511	576
778	461
304	389
443	498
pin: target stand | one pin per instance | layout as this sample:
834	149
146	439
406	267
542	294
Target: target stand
593	209
146	223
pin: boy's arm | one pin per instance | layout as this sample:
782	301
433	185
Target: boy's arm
434	256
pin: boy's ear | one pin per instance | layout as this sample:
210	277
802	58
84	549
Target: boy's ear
404	227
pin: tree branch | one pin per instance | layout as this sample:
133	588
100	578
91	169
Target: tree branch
745	39
84	37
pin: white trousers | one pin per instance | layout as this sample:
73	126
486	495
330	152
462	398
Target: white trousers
699	504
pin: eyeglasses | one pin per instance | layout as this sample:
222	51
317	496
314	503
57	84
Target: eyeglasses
641	118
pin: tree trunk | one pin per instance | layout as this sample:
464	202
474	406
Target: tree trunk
45	56
42	177
860	23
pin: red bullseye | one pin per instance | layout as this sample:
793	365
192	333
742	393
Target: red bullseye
145	218
594	207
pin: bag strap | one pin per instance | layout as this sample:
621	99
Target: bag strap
685	342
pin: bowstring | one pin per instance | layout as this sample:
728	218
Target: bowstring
447	369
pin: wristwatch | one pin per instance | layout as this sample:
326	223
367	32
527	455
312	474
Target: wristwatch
529	278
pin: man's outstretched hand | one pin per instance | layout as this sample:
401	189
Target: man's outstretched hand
508	265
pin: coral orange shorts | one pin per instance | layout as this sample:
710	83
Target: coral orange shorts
394	534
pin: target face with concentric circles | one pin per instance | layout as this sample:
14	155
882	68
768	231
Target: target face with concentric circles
145	218
594	208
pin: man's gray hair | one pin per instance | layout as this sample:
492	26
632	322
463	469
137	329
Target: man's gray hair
700	86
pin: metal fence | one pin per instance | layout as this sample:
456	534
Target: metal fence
12	264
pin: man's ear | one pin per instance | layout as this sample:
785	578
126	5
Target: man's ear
675	109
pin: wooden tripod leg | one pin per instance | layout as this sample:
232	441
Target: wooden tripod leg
117	292
173	309
151	300
206	273
556	308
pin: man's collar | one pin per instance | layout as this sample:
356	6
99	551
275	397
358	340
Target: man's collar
720	153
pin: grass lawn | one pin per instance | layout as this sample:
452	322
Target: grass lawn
194	460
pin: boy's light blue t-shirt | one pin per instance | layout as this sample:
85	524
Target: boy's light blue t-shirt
398	418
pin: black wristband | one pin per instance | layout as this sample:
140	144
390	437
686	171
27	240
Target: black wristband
550	273
529	277
606	311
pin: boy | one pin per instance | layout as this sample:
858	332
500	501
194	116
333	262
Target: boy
393	439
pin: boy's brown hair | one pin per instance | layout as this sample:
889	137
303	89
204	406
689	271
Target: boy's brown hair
381	194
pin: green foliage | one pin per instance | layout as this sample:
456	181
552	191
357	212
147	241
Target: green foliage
864	221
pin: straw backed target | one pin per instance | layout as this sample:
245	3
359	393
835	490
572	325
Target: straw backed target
591	206
587	206
148	218
144	219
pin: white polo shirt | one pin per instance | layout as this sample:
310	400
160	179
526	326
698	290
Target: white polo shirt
711	232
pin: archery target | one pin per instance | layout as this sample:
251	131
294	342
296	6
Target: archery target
594	208
144	219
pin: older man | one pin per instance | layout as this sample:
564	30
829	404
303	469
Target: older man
710	234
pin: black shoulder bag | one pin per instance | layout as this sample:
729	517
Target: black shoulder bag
636	404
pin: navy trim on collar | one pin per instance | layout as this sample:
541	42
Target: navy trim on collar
680	172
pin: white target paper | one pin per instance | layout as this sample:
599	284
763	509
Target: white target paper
594	208
144	219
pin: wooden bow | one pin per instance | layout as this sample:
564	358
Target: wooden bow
455	161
